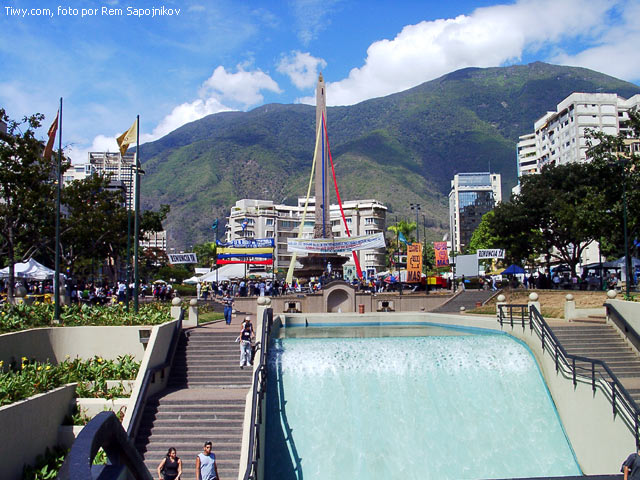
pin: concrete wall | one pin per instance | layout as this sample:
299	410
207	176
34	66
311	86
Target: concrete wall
415	302
599	440
55	343
30	426
630	311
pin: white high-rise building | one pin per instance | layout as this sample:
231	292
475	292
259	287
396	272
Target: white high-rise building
121	169
264	219
472	195
561	136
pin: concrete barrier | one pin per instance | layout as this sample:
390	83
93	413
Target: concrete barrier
55	343
30	426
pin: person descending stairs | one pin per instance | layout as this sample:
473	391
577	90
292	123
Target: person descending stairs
204	401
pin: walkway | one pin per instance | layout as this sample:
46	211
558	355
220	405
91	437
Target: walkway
204	401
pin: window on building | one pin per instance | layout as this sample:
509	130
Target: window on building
269	221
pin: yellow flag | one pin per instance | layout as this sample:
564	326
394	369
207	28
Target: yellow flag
127	138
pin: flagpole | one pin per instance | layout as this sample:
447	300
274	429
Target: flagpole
56	279
136	275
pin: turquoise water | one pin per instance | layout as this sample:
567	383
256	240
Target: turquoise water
438	407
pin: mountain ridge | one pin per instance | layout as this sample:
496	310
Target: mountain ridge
402	148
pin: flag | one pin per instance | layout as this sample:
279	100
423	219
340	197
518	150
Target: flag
215	224
402	238
53	129
127	138
245	222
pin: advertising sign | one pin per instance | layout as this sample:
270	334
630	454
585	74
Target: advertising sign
442	254
175	258
490	253
414	262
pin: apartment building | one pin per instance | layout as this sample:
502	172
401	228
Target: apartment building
472	195
121	169
561	136
251	218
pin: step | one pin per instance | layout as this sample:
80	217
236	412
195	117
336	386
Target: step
207	403
169	416
210	384
197	430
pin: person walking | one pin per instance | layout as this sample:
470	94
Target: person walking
206	466
246	336
170	467
631	467
227	300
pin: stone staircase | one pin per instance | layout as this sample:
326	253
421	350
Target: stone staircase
467	299
204	401
602	342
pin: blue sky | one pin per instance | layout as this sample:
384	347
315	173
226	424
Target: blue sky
236	55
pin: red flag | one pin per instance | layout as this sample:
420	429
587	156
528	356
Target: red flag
53	129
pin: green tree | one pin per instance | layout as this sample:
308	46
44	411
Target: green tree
617	165
27	185
94	227
206	253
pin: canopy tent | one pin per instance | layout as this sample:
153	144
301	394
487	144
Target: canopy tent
513	270
31	270
232	271
192	281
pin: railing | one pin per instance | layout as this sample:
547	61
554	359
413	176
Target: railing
105	431
257	396
588	370
150	375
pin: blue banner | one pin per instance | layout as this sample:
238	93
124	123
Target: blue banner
245	255
248	243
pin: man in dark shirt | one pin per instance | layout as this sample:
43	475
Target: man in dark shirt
631	467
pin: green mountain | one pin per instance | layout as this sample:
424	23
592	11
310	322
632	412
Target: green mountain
399	149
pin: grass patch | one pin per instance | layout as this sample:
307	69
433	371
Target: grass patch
209	317
551	301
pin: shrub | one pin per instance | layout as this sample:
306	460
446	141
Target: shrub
20	317
33	377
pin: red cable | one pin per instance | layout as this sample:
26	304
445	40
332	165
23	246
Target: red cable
335	182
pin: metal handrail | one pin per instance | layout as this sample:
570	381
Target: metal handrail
138	408
617	394
257	394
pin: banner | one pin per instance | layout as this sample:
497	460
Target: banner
490	253
239	251
335	245
442	254
414	262
245	255
182	258
246	262
248	243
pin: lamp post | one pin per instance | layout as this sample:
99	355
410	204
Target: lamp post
416	207
627	259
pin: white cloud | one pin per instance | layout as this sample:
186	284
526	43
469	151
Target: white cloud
242	87
216	94
617	50
301	68
490	36
311	16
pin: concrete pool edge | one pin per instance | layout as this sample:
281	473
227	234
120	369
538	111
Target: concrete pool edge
599	441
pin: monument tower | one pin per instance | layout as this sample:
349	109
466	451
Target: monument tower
322	227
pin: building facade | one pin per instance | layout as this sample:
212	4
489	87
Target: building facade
561	137
263	219
472	195
120	169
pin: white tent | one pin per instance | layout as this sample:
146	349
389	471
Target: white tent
192	281
232	271
30	270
